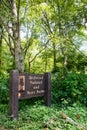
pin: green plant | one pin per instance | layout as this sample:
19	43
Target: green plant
4	89
33	117
69	89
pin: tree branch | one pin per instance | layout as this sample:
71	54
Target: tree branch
39	52
71	121
76	47
6	27
6	5
9	45
27	45
46	22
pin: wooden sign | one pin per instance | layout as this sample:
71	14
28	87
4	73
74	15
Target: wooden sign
28	86
31	85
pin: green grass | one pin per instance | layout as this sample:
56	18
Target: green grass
39	117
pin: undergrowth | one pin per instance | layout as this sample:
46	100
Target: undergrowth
40	117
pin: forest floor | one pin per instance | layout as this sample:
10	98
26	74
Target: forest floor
39	117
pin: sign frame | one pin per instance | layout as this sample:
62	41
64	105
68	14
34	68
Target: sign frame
28	86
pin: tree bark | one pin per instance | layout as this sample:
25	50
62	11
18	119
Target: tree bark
19	58
54	57
1	47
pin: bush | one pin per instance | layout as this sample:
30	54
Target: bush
44	118
4	89
69	89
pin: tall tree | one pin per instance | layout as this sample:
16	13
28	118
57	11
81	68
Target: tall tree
19	59
10	19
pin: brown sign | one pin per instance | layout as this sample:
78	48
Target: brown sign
28	86
31	85
35	85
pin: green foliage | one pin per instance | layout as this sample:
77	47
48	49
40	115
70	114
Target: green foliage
38	117
63	23
60	22
4	89
70	88
7	61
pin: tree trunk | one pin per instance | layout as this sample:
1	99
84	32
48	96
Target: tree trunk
54	57
29	66
63	51
19	58
46	57
1	48
0	51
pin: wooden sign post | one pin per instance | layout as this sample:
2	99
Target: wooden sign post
28	86
14	94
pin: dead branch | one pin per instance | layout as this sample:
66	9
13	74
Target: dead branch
71	121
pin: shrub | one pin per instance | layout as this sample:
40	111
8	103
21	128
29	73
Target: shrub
69	89
4	89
